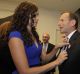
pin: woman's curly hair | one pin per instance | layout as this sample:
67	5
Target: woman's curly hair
20	20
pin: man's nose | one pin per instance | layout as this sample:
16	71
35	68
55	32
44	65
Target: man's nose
59	24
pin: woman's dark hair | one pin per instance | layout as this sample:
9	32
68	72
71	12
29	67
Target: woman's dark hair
20	20
23	13
4	28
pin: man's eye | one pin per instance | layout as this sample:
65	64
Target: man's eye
62	20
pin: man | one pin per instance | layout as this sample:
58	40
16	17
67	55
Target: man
48	48
68	24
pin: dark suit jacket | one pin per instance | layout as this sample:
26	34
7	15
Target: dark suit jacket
72	64
49	49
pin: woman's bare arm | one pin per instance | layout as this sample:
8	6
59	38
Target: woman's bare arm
20	59
47	57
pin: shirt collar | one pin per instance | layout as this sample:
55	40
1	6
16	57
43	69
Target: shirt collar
46	46
69	36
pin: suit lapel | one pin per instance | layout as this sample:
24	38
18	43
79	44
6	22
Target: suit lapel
48	47
72	40
74	36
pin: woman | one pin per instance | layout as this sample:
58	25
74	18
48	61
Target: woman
24	43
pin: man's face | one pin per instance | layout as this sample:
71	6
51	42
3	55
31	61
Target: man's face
45	38
64	23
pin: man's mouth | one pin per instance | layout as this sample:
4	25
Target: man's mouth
60	27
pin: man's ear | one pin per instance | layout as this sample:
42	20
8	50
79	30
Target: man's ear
73	22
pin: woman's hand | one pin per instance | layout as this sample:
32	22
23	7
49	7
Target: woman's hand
61	45
62	57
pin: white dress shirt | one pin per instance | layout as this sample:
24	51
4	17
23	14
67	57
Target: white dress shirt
70	35
45	47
